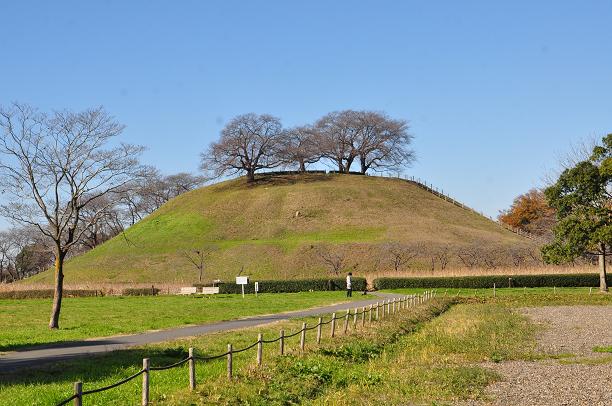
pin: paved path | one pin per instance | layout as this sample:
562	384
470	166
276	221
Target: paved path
64	351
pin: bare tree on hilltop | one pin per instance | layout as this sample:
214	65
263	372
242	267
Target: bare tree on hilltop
376	140
337	136
248	143
53	167
299	146
382	143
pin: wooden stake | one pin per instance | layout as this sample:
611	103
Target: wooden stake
145	382
319	327
78	391
192	375
259	349
303	337
230	361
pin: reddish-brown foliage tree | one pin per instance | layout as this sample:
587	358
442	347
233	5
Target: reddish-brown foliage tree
530	212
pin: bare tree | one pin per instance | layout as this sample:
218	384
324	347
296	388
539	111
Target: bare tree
401	255
149	193
54	167
197	257
334	261
443	256
336	137
21	251
299	146
470	255
248	143
382	143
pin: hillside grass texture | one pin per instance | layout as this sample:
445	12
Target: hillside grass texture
256	227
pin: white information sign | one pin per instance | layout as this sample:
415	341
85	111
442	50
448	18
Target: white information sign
242	280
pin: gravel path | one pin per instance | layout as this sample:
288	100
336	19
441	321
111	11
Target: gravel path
568	330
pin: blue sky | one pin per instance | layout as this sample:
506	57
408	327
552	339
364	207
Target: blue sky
494	92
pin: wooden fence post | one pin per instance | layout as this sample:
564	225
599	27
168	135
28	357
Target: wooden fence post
355	319
192	375
363	316
78	391
377	306
494	293
230	361
333	325
393	306
303	337
281	343
370	314
319	327
346	320
259	349
145	382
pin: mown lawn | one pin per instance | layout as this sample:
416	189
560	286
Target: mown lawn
24	322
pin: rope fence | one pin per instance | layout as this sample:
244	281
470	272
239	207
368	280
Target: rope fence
375	312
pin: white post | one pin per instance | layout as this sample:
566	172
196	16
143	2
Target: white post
494	289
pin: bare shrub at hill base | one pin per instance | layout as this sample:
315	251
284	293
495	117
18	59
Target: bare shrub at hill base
401	254
52	167
334	260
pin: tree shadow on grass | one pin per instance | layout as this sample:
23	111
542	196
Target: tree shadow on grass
274	179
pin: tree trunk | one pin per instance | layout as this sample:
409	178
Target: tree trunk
349	162
364	166
340	165
59	289
603	283
250	176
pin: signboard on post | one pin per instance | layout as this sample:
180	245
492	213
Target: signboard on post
242	280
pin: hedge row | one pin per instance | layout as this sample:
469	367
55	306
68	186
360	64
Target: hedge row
500	281
140	292
48	293
297	285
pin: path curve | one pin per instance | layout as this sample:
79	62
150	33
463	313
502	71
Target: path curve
35	356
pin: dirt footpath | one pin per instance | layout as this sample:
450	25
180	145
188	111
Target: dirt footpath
579	377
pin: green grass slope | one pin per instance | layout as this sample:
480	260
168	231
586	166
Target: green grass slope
256	226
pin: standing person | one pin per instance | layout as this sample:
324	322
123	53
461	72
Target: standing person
349	284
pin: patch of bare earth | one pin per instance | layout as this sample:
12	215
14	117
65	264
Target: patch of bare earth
578	377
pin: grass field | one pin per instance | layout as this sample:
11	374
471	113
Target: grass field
24	322
255	228
425	355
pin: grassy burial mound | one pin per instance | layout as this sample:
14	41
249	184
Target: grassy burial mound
298	226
